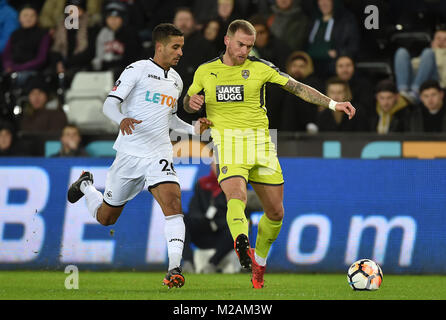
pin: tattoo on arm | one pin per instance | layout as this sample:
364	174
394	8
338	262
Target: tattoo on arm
306	93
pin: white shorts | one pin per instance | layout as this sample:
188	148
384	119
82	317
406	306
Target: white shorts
129	175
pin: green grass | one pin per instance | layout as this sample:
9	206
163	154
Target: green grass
45	285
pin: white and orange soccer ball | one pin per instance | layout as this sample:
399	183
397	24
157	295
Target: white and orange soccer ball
365	275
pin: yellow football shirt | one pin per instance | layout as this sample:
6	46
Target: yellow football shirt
235	95
235	103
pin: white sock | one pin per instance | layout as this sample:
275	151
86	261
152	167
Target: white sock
260	261
174	231
93	197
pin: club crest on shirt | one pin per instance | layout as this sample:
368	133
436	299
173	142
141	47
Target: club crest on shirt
117	83
245	74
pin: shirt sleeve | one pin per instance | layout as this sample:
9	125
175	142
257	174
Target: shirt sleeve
181	88
180	126
126	82
197	84
274	75
111	110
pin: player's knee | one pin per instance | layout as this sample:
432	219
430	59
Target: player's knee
236	194
276	213
173	203
175	206
107	221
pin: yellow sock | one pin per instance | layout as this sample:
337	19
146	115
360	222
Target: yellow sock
236	218
267	233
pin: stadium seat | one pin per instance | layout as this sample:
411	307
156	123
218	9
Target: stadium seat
101	149
51	147
84	101
377	70
94	149
415	41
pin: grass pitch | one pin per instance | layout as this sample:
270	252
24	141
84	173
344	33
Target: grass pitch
50	285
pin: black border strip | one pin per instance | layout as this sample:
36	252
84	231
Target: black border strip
165	71
267	184
233	177
112	96
162	182
110	205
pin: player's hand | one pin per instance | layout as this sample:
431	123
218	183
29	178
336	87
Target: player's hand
347	108
201	125
196	102
127	125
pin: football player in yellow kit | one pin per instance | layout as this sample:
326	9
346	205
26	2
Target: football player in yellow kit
232	86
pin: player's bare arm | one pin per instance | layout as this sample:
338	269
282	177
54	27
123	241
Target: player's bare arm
313	96
194	103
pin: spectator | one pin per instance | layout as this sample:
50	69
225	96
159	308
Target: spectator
225	15
267	46
73	49
159	11
430	65
71	143
289	23
286	111
27	48
53	12
204	10
19	4
9	146
116	44
361	87
8	23
196	50
327	120
430	115
211	30
135	13
206	225
333	33
36	117
225	11
391	109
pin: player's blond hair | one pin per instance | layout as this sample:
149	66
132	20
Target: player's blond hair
242	25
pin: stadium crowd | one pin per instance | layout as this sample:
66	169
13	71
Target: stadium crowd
322	43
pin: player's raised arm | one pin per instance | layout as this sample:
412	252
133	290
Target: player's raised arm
311	95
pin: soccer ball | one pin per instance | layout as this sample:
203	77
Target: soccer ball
365	275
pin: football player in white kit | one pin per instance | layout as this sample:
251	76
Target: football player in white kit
147	92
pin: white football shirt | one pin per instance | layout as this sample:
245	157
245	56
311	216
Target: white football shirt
148	93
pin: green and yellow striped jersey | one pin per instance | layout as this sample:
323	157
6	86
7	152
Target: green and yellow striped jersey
235	95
